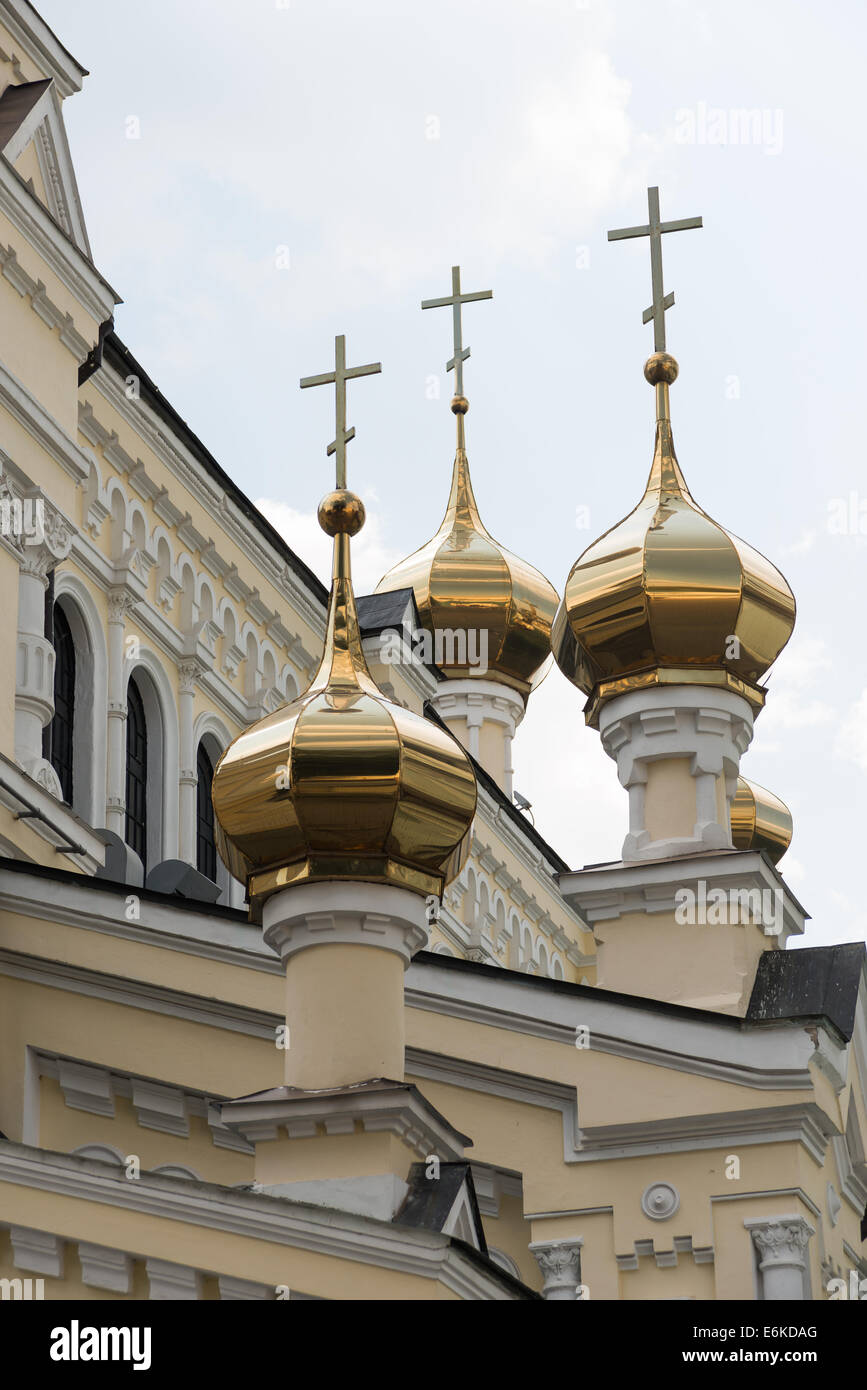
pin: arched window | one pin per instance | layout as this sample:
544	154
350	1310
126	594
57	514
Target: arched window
206	850
136	773
60	736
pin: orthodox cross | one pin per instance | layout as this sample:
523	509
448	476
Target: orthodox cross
654	229
456	299
339	378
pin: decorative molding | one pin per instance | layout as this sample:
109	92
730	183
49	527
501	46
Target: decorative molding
37	1251
615	890
767	1059
160	1107
394	1107
179	1283
234	1290
193	477
157	1106
430	1255
781	1243
28	412
660	1201
316	914
42	46
48	241
86	1088
50	819
665	1259
102	1268
560	1263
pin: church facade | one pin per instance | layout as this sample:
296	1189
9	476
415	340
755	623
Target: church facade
295	1002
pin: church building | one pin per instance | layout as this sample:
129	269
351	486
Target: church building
295	1001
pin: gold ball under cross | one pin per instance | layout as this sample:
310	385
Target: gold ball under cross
341	512
661	367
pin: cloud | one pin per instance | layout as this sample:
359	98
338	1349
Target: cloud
792	699
802	546
579	805
852	737
371	558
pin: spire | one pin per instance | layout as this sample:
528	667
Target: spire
456	300
341	515
653	229
342	783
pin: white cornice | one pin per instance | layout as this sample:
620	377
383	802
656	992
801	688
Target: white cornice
44	307
763	1059
50	819
425	1254
609	892
41	46
805	1123
42	233
760	1058
42	427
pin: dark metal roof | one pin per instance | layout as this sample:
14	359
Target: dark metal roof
817	982
376	612
430	1199
16	103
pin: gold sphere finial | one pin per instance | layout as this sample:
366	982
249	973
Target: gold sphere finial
661	367
460	405
341	512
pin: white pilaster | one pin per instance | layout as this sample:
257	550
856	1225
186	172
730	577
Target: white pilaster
188	676
120	601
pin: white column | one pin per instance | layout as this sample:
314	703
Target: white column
39	550
120	601
188	675
781	1242
701	733
560	1263
471	705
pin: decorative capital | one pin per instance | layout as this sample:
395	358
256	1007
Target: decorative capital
120	602
781	1240
189	673
560	1263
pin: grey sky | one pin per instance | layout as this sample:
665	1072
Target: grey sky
303	132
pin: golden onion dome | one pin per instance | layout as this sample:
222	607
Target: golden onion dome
760	820
342	783
668	597
466	583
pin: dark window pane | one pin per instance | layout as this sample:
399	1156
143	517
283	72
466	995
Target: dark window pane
61	727
136	773
206	850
